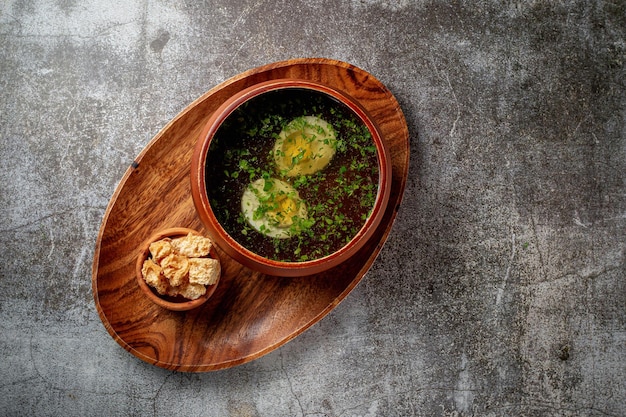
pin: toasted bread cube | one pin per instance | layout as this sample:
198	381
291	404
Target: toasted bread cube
153	275
192	246
175	268
160	249
205	271
192	291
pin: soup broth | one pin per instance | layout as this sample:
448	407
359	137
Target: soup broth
338	197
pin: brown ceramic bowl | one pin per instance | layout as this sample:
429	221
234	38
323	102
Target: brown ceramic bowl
203	181
177	303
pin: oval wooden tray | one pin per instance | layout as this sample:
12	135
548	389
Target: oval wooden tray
250	314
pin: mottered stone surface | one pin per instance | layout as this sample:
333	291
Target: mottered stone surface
502	287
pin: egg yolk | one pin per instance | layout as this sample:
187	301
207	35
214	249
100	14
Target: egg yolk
283	214
297	148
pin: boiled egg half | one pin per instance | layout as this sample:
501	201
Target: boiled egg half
273	207
306	145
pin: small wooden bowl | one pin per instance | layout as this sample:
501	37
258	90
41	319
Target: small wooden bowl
177	303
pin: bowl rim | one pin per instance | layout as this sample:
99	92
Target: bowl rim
244	255
144	253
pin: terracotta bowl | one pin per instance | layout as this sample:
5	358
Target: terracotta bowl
203	180
177	303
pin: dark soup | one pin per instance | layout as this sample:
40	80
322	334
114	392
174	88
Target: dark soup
292	175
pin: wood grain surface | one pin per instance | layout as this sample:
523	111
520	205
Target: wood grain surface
250	314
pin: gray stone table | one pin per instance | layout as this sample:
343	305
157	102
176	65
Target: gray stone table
502	288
